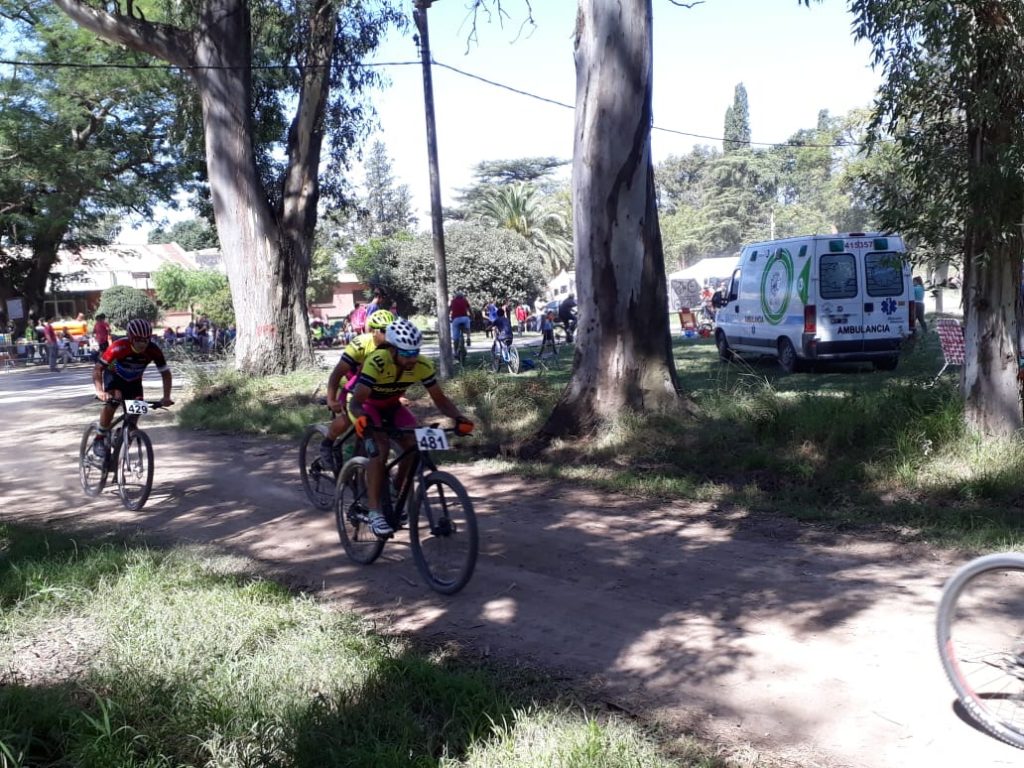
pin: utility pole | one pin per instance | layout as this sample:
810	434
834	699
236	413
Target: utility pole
444	339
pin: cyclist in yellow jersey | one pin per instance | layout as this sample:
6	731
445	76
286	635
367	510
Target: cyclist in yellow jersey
376	399
347	368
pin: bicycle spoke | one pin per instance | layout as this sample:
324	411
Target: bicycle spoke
443	533
350	514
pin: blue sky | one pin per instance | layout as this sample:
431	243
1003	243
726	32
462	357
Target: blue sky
793	61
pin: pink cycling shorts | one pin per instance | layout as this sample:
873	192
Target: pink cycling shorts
391	411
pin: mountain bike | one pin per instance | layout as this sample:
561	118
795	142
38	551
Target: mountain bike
319	481
129	455
980	633
504	353
433	504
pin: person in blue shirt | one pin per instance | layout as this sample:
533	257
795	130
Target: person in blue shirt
502	327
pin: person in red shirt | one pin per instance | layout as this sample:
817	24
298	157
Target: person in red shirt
50	337
101	330
118	375
459	313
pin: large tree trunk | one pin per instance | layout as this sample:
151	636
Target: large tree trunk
992	258
624	348
266	252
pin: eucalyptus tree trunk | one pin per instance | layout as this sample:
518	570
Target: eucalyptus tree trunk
623	355
992	263
266	251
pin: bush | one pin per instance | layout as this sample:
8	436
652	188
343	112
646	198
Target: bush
122	303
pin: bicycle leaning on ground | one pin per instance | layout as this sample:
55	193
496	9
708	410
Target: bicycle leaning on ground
980	634
129	455
504	353
433	504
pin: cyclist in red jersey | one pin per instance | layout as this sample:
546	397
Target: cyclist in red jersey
118	375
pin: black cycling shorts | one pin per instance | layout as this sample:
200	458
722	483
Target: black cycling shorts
130	390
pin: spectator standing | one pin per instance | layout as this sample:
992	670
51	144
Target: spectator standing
521	315
358	319
101	332
491	313
50	338
203	333
919	304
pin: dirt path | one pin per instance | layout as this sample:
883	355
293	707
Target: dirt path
812	647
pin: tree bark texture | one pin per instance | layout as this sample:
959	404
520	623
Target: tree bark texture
992	261
623	354
266	252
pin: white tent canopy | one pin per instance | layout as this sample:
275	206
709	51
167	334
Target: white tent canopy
684	286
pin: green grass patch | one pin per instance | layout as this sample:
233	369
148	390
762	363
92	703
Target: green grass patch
116	654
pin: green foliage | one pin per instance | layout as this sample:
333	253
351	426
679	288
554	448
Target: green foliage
737	122
521	208
484	262
122	303
191	235
375	263
80	146
323	275
195	289
488	174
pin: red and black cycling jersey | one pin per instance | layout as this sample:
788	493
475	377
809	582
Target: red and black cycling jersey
123	361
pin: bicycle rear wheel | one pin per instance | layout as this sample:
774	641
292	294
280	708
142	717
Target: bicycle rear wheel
135	470
350	513
317	481
92	470
460	349
443	533
980	633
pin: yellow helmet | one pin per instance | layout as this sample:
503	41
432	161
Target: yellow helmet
380	320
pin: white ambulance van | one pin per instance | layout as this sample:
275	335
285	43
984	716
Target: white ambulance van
843	298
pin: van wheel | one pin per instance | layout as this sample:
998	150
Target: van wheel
724	350
788	360
886	364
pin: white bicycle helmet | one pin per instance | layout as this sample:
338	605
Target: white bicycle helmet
139	329
404	335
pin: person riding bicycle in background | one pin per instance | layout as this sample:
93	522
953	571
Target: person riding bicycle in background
118	375
352	358
376	400
459	313
567	315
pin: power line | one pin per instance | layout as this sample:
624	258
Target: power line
435	62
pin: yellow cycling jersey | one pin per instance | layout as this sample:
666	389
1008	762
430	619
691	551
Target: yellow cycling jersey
387	382
355	351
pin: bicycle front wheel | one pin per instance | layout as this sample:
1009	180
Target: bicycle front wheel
350	513
443	533
513	360
496	361
318	481
92	470
980	633
135	470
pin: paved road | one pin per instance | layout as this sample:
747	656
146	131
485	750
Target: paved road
813	647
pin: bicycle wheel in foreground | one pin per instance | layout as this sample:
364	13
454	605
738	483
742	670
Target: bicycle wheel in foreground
92	471
980	632
443	533
317	481
135	470
350	513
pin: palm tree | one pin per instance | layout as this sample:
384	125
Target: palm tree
521	208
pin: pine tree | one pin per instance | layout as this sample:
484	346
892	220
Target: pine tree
737	122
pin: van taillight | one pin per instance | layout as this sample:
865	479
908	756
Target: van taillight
810	319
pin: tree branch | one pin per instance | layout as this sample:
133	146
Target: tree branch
164	41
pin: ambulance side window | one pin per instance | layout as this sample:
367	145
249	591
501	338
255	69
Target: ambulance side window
884	274
838	276
734	286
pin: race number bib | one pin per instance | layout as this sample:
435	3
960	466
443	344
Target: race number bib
429	439
137	407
